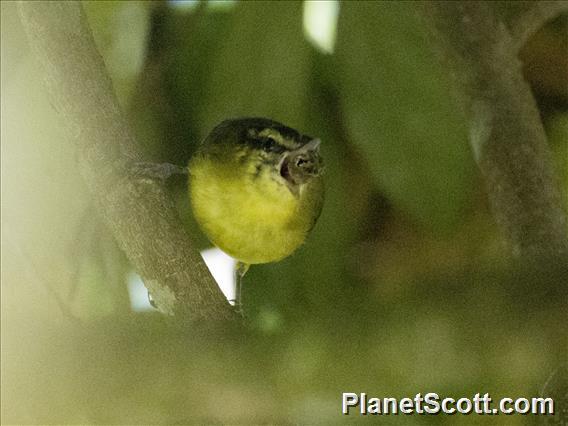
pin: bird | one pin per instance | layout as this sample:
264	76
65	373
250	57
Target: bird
256	190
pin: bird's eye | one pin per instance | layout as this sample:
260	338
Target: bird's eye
269	144
300	161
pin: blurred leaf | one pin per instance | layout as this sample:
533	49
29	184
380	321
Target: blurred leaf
120	30
557	130
187	48
399	110
262	66
47	214
498	333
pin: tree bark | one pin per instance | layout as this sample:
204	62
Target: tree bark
479	43
138	211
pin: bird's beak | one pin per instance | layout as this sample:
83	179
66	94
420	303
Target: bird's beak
311	146
311	153
300	165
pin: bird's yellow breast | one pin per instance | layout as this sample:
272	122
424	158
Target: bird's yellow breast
248	212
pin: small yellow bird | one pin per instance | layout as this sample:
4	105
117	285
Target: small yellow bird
256	189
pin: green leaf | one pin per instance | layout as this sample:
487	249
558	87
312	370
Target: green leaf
120	30
557	131
261	68
400	112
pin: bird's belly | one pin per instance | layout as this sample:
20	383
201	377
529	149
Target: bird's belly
256	243
251	226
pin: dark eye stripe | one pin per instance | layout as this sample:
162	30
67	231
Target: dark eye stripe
271	145
266	144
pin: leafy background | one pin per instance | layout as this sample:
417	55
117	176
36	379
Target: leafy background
403	286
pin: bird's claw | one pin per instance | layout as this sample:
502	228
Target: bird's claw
156	171
238	307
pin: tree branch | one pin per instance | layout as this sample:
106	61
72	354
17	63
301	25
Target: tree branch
506	132
139	212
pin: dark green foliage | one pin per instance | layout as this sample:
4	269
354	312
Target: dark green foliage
402	287
399	110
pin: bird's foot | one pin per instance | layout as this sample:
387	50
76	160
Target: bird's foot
156	171
238	307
